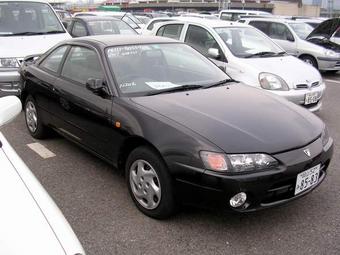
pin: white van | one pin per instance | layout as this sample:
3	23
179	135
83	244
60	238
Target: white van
236	14
27	27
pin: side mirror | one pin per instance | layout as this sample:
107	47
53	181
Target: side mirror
95	85
10	107
213	53
31	58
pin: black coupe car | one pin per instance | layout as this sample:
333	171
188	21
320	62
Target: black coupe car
179	127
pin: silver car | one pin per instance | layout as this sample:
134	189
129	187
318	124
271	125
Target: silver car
30	221
249	56
291	36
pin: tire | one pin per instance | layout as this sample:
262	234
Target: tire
309	60
33	120
151	190
332	71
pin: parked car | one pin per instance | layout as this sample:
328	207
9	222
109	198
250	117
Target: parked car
178	126
248	55
235	14
292	35
96	25
314	22
63	14
27	27
31	223
127	17
199	15
144	19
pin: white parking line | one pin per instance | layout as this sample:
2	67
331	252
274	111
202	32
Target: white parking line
333	81
41	150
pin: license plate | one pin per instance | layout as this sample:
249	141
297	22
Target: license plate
311	98
307	179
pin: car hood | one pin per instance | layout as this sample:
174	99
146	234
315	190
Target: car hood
22	46
326	29
238	118
285	67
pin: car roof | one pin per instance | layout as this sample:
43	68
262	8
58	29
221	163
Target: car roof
90	18
207	22
282	20
118	40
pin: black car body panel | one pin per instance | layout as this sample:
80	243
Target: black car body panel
228	119
246	127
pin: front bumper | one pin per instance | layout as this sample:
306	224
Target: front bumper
264	189
10	83
297	96
328	64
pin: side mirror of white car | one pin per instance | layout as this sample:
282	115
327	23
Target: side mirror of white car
213	53
10	107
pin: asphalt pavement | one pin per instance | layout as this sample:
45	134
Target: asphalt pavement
95	200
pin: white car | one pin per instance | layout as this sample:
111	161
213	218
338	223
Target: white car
235	14
30	221
130	19
27	27
249	56
300	40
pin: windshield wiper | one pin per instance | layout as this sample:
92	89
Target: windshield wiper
219	83
53	32
281	53
175	89
260	54
36	33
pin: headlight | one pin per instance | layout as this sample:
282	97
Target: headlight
324	136
330	53
272	82
237	163
8	63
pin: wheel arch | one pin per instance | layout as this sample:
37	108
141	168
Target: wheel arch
129	145
310	56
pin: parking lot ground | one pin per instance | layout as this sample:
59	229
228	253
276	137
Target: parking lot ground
95	200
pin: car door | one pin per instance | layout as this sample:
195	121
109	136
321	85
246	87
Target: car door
79	29
171	31
279	33
202	40
81	114
39	80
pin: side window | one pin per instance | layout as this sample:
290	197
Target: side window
172	31
78	29
261	25
280	32
337	33
226	16
201	40
81	64
52	62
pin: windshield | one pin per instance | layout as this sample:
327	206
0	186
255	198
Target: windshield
27	18
246	41
301	29
104	27
145	69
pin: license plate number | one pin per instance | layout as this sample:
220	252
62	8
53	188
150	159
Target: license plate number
307	179
311	98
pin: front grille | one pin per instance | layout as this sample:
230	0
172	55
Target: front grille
305	86
284	189
337	63
301	86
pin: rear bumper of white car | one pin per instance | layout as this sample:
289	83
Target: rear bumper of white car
328	64
10	84
298	96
